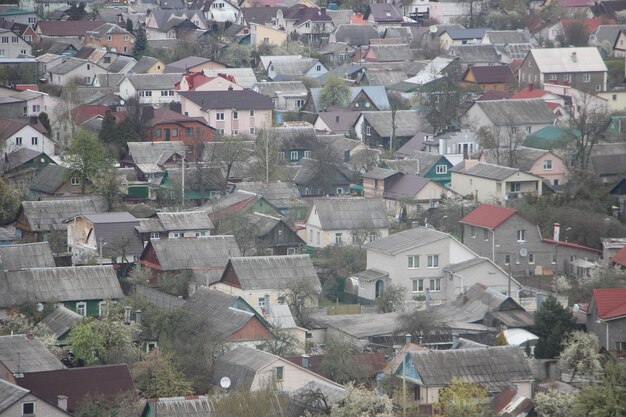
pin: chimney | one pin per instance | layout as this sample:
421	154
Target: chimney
574	56
531	86
337	119
323	10
267	304
305	361
127	310
557	232
62	402
455	340
138	316
407	338
471	163
346	155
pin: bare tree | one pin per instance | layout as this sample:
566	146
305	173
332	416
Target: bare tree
302	298
266	166
587	125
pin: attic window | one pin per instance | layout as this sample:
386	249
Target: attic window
28	409
75	180
387	14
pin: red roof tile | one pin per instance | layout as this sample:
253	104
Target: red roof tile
570	245
488	216
86	112
24	87
620	257
610	302
357	19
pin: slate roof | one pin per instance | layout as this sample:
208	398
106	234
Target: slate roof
339	121
61	320
488	216
120	64
377	173
608	159
18	157
495	368
292	68
117	229
153	81
182	65
407	186
464	34
274	272
67	66
472	54
561	60
59	285
182	407
259	15
492	73
548	138
281	88
48	215
280	194
79	383
351	213
107	29
605	34
505	37
179	220
390	53
244	77
405	240
376	93
33	355
610	302
196	177
517	112
154	152
144	64
10	394
385	12
241	365
408	122
356	35
236	99
489	171
524	157
27	255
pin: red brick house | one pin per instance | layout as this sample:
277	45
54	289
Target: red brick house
112	37
168	125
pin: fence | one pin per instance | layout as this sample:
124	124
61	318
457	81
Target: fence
334	310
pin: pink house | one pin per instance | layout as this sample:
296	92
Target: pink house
539	162
199	82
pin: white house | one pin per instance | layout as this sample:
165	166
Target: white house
12	45
284	70
30	134
153	89
74	69
222	11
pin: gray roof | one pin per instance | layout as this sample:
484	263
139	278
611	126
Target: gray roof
605	34
28	255
144	64
281	88
371	275
360	326
182	65
182	407
419	160
490	171
524	157
356	35
405	240
280	194
609	159
181	220
391	53
274	272
10	394
407	186
386	12
67	66
153	81
227	201
61	320
241	365
48	215
235	99
49	179
385	77
154	152
376	93
408	122
339	121
462	34
120	64
19	353
243	76
517	112
469	54
59	285
507	37
495	368
117	230
379	173
292	68
351	213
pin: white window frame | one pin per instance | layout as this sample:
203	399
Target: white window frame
521	235
251	113
235	115
280	373
586	77
18	140
101	308
75	180
441	169
219	116
338	238
307	154
200	234
155	235
418	285
34	140
81	306
293	155
435	285
432	261
547	165
176	235
252	131
368	130
291	251
411	264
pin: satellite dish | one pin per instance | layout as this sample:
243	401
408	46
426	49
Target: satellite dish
523	252
433	29
39	307
449	194
122	102
225	382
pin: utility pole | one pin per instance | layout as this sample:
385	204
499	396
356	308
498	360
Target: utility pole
182	182
267	156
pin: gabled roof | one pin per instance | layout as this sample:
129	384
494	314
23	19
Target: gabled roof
385	12
9	127
235	99
117	229
339	121
244	77
182	65
179	220
610	302
154	152
351	213
59	285
620	256
241	365
356	35
525	157
144	64
10	394
21	353
507	37
69	65
67	27
376	93
470	54
408	186
492	73
107	29
377	173
292	68
560	60
78	384
153	81
48	215
488	216
517	112
61	320
27	255
389	53
17	158
407	122
281	88
273	272
489	171
280	194
465	34
49	179
405	240
259	15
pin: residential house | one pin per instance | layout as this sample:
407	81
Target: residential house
28	133
13	45
485	78
175	225
82	70
606	318
579	67
606	38
167	125
206	258
619	44
148	65
71	387
337	53
516	244
378	128
17	401
454	37
548	138
337	179
61	30
38	220
377	181
21	16
477	55
447	12
384	15
221	211
201	182
455	145
244	77
230	112
311	23
174	24
21	354
48	60
287	96
283	196
411	194
191	65
489	182
426	165
336	121
557	103
514	43
105	238
83	290
337	221
295	142
354	35
60	322
510	117
367	98
221	11
284	70
272	236
37	102
155	89
251	370
264	35
111	37
22	166
607	161
197	81
618	193
27	255
539	162
385	53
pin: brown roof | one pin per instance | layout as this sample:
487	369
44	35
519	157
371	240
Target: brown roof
8	127
170	116
492	74
77	383
238	100
68	27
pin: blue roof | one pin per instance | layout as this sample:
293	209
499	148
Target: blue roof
376	93
15	11
467	33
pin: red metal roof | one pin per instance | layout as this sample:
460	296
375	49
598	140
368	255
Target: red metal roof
610	302
489	216
570	245
494	95
529	92
620	257
590	24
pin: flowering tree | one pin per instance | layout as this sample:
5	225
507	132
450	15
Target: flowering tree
554	403
580	354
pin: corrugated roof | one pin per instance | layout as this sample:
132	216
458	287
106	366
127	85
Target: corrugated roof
61	320
49	179
409	186
281	88
153	81
490	171
376	93
10	394
488	216
274	272
405	240
517	112
241	365
152	152
351	213
408	122
181	220
560	60
19	353
464	34
610	302
280	194
28	255
49	215
244	77
356	35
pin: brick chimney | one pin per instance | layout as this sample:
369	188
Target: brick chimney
471	163
62	402
556	232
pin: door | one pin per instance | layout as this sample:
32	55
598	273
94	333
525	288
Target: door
380	286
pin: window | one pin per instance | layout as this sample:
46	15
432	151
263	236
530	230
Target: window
414	261
125	49
433	261
176	235
32	20
189	131
75	180
567	78
102	308
200	234
598	87
28	409
339	191
521	235
318	68
109	38
516	187
290	251
18	140
86	80
252	131
338	238
81	308
614	97
547	165
318	236
150	346
28	38
307	25
307	154
175	132
5	39
299	103
486	234
281	155
36	108
261	302
155	235
368	130
293	155
553	77
507	259
157	133
473	231
280	373
34	140
1	52
126	37
553	258
220	131
235	114
266	40
88	66
587	78
251	113
219	116
147	93
528	130
418	285
531	258
441	169
435	284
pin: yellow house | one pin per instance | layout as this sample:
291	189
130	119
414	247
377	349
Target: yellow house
148	65
488	77
615	100
264	35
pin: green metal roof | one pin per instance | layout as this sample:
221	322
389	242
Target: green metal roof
548	138
12	12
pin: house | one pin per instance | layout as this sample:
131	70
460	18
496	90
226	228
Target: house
454	37
60	322
74	69
579	67
428	371
174	225
167	125
455	145
148	65
337	221
311	23
155	89
619	44
206	257
28	133
283	70
221	11
378	180
16	401
386	53
174	24
606	318
337	179
287	96
606	37
230	112
426	165
607	161
244	77
516	244
22	166
368	98
485	78
515	116
337	53
384	15
27	255
264	35
111	37
54	29
548	138
378	128
295	142
73	386
477	54
446	12
106	238
197	81
273	236
282	195
336	121
13	45
191	65
201	182
21	354
412	194
354	35
251	370
539	162
21	16
83	290
39	220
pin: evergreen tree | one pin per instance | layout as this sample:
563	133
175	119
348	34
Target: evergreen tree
552	323
141	43
45	121
129	26
108	134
